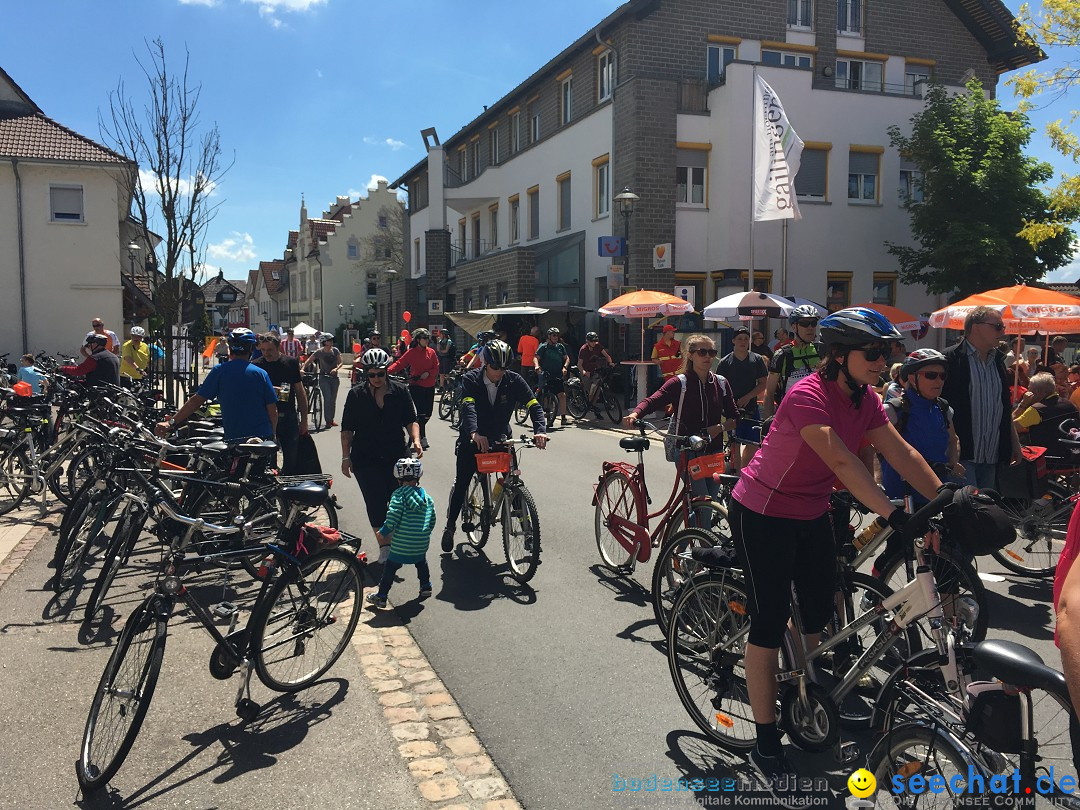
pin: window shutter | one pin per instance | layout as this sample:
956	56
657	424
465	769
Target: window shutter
862	163
811	181
692	158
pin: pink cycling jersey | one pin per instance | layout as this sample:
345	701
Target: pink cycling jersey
787	478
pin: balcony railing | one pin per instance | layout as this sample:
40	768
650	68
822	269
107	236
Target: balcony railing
463	253
694	94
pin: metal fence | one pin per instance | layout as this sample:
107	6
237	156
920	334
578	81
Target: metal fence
184	353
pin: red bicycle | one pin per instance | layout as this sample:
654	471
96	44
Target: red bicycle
622	502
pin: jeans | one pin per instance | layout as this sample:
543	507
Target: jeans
983	476
390	569
328	385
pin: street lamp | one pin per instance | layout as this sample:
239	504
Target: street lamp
133	253
391	274
626	199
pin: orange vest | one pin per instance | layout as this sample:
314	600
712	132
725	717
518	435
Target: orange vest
669	363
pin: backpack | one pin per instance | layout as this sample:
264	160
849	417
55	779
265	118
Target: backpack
902	406
787	365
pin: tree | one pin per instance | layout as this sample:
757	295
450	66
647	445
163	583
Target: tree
176	165
978	191
1055	28
386	245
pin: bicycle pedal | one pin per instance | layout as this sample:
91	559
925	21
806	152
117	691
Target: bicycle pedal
225	610
845	751
468	527
784	677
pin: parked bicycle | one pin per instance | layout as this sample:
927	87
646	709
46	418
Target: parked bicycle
310	379
593	394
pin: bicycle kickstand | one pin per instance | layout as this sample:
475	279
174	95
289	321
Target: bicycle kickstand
246	708
845	751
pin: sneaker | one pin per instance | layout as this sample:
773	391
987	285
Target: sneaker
563	421
425	591
424	443
375	600
448	541
778	776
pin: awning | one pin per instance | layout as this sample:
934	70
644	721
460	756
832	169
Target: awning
470	322
521	309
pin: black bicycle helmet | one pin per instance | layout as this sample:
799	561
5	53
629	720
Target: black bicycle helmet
803	311
857	326
498	353
592	336
421	333
919	358
485	336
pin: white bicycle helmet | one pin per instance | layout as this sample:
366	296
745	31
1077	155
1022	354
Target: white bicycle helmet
138	331
375	358
408	469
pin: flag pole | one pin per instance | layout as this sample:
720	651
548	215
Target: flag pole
783	262
753	168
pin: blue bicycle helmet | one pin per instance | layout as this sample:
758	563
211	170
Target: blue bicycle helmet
856	326
242	339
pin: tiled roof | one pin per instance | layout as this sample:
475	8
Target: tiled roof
268	270
31	135
294	236
240	284
339	214
321	228
1065	287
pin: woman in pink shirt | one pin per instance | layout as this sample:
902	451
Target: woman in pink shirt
779	515
422	361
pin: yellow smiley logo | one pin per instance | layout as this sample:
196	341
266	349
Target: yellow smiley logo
862	783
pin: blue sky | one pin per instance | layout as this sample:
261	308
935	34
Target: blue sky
313	96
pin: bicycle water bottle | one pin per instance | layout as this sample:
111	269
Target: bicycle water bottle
497	489
869	533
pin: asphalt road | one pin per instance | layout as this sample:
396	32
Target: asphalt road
566	681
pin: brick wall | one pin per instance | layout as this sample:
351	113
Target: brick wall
514	267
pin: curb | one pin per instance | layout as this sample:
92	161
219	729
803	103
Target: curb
451	769
10	564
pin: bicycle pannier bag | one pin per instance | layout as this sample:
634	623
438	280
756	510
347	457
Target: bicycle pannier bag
1026	479
975	521
994	716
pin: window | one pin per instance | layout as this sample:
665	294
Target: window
910	183
463	164
474	158
382	220
461	238
534	212
849	16
690	171
718	57
515	219
354	250
372	289
515	133
301	293
838	293
476	250
602	186
563	182
853	74
566	100
787	59
812	181
316	282
416	257
534	127
605	75
885	289
494	146
493	225
916	78
66	203
560	271
800	14
862	176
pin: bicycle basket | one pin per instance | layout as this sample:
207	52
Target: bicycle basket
994	716
309	379
493	462
704	466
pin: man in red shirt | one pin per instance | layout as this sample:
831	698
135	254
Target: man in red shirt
291	346
667	353
526	349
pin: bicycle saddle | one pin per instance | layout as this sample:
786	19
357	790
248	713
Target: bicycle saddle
726	480
634	444
307	494
716	557
1017	665
255	449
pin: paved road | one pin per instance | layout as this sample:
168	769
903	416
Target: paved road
566	681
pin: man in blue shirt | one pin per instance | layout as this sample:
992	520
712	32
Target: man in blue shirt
247	397
29	374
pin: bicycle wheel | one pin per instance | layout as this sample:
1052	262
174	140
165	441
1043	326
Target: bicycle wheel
712	514
309	618
707	633
612	405
83	467
315	408
914	749
669	571
576	403
455	415
122	697
446	403
521	414
955	578
16	477
550	404
521	533
116	557
90	532
1040	535
476	511
615	497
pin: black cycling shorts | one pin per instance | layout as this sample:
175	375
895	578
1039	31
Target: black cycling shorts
774	552
553	384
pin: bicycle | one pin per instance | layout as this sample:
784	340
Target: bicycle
450	393
509	502
310	381
709	625
579	403
621	499
976	730
306	606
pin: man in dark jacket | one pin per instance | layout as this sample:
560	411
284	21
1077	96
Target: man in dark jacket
101	365
977	388
489	396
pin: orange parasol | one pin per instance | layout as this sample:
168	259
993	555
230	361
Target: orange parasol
903	321
1024	309
645	304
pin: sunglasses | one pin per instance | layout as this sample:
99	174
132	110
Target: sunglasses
97	324
704	352
873	353
594	340
997	325
811	323
496	367
375	374
934	375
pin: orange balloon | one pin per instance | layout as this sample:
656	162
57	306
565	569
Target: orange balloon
406	316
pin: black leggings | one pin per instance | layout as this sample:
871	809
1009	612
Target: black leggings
466	469
377	484
424	400
390	569
774	552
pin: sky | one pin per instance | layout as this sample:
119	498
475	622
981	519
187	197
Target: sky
313	97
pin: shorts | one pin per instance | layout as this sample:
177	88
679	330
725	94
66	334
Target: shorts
553	383
446	363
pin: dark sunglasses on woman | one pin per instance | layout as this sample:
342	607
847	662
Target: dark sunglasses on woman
873	353
704	352
374	374
934	375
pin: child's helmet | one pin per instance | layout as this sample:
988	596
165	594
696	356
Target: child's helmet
408	469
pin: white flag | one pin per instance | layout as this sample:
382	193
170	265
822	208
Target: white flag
777	153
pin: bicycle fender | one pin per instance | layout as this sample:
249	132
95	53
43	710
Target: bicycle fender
607	467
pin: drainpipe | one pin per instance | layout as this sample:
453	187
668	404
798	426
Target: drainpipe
22	254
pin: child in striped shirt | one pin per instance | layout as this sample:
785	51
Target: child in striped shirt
410	519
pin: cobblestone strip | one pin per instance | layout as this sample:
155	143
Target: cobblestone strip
10	564
451	768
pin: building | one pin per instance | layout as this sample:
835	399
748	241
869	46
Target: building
267	295
64	230
226	302
658	98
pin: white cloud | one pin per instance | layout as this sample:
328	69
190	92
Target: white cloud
318	73
150	184
237	247
373	183
393	143
208	3
270	7
1069	273
353	194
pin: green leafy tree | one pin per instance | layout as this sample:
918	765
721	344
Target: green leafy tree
1055	28
978	191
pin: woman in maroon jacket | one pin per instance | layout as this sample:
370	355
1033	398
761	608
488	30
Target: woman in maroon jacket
707	404
422	361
